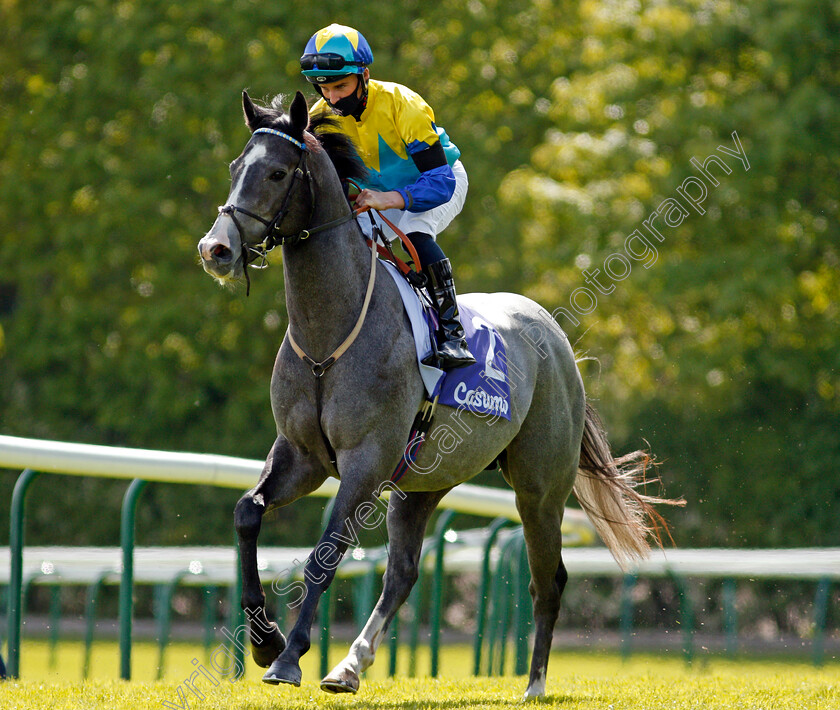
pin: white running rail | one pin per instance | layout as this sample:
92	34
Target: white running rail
230	472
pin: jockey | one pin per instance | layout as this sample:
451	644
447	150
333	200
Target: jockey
414	175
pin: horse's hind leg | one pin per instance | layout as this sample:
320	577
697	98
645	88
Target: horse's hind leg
408	514
285	478
541	525
542	466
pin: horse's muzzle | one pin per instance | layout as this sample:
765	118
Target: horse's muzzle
218	256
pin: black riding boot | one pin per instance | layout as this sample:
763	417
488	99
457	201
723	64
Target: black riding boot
452	345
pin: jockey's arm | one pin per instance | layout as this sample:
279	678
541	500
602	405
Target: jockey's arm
433	187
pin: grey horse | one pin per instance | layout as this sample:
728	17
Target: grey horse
344	406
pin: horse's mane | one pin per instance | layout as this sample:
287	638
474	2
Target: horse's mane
339	146
324	129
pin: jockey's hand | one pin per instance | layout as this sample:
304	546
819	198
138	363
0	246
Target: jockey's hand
380	200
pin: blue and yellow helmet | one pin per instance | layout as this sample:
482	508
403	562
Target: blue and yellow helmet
335	52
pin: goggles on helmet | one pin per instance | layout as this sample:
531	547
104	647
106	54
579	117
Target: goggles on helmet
325	62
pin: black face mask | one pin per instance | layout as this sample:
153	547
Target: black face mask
351	105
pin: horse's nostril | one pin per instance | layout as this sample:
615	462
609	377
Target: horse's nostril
221	253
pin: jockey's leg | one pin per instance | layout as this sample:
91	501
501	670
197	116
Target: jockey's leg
452	345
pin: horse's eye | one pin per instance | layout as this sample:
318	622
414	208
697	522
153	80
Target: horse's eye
277	175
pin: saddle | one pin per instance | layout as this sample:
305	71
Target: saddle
482	388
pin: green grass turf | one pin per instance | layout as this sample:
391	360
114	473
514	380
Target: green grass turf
577	681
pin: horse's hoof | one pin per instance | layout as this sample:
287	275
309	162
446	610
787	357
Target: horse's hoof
346	682
282	672
273	646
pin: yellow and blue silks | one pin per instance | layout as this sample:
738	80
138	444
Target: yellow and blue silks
397	123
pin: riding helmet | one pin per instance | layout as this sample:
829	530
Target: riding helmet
335	52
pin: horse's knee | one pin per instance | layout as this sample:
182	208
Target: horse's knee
247	516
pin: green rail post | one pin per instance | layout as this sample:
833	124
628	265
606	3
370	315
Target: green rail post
165	618
523	610
365	587
4	600
208	595
55	621
16	536
93	594
505	610
628	584
237	616
730	615
324	604
686	618
437	589
415	600
282	604
24	594
394	645
484	590
496	594
324	608
820	613
126	604
499	609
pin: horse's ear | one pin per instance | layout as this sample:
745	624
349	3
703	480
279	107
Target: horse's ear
299	113
252	112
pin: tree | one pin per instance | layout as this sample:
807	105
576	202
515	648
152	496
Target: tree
713	325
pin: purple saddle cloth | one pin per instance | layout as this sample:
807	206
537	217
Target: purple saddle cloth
482	388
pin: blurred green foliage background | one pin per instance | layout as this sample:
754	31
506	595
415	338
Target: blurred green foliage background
575	120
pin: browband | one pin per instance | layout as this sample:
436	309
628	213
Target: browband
273	132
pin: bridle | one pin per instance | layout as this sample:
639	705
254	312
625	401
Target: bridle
272	236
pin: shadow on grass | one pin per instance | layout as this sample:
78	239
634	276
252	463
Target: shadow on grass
474	700
557	699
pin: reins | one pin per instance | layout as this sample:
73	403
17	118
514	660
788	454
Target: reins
414	277
273	237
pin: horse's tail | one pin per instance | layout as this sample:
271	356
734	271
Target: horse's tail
606	489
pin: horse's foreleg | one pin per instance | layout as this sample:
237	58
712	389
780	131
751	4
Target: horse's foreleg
408	514
352	508
267	641
285	477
